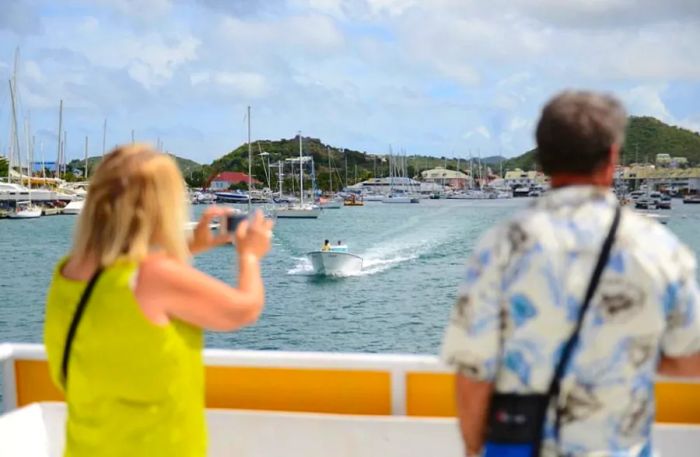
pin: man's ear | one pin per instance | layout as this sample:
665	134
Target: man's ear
614	154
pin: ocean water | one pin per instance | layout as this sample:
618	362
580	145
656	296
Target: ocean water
399	303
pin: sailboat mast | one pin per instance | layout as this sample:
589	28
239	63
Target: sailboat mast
330	171
104	137
63	152
15	135
60	144
86	158
43	161
301	172
250	165
279	175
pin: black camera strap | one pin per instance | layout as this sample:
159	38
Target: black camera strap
79	311
568	349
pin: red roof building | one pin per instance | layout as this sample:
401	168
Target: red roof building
226	179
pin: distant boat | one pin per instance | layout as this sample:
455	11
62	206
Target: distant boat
353	200
74	207
231	197
664	202
691	198
300	210
25	210
336	262
373	198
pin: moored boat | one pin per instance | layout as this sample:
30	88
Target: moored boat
297	212
691	198
25	210
74	207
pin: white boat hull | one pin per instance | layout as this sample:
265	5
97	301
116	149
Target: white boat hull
74	207
335	263
297	213
26	214
397	200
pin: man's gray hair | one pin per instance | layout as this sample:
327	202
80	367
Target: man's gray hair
577	130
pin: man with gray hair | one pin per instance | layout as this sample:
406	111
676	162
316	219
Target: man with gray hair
568	310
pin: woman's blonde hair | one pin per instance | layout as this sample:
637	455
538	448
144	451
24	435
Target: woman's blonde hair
135	203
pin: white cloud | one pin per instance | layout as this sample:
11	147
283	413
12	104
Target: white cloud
647	101
361	73
138	8
246	84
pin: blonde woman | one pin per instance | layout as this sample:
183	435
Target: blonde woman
125	311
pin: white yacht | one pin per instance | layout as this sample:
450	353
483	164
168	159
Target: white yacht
335	262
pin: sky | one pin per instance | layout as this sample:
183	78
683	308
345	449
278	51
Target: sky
439	77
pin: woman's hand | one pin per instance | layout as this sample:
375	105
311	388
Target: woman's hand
203	238
253	236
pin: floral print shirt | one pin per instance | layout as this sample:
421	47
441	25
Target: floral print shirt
519	301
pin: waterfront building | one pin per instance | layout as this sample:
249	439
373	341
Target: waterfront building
683	180
226	179
665	160
450	178
383	186
520	178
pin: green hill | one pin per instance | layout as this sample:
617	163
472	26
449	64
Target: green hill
360	165
187	166
645	137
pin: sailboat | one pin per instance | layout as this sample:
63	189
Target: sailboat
332	203
23	209
399	195
299	210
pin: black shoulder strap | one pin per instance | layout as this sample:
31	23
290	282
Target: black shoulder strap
568	348
76	320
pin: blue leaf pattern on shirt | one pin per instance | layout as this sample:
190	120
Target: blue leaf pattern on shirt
515	362
617	263
537	266
521	309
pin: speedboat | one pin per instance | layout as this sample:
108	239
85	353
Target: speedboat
335	262
232	197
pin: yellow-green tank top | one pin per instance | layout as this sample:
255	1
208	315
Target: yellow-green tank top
135	388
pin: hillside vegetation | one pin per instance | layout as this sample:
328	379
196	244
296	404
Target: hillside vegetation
645	137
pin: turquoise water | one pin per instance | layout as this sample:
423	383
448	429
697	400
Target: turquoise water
400	303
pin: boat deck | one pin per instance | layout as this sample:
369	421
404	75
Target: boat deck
265	403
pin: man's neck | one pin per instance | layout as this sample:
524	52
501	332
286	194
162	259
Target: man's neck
563	180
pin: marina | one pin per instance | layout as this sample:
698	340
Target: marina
398	302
